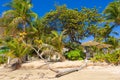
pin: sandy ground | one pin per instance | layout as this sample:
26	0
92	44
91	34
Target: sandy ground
36	71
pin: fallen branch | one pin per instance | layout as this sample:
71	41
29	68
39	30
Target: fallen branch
62	73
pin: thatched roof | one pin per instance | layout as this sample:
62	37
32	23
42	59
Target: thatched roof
103	45
90	43
97	44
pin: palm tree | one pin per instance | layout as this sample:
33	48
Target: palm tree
112	12
57	43
20	14
17	50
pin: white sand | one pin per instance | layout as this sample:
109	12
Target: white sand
36	72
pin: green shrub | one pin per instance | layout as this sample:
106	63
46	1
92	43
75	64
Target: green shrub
98	57
112	58
3	51
75	55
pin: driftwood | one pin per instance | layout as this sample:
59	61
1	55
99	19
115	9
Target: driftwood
62	73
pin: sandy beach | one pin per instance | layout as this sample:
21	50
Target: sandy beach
30	71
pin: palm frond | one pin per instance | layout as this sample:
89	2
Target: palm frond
115	32
55	33
9	13
34	15
16	20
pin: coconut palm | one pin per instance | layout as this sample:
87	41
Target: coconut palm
17	50
20	14
57	43
112	12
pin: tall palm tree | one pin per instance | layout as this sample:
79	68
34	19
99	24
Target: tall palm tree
112	12
20	14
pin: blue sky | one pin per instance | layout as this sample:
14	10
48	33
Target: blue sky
43	6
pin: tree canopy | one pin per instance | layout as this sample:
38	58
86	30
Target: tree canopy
76	23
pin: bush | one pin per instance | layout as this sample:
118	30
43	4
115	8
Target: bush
3	51
75	55
98	57
112	58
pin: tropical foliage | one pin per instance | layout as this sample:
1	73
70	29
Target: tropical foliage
17	49
63	28
18	17
75	55
75	22
113	58
112	12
